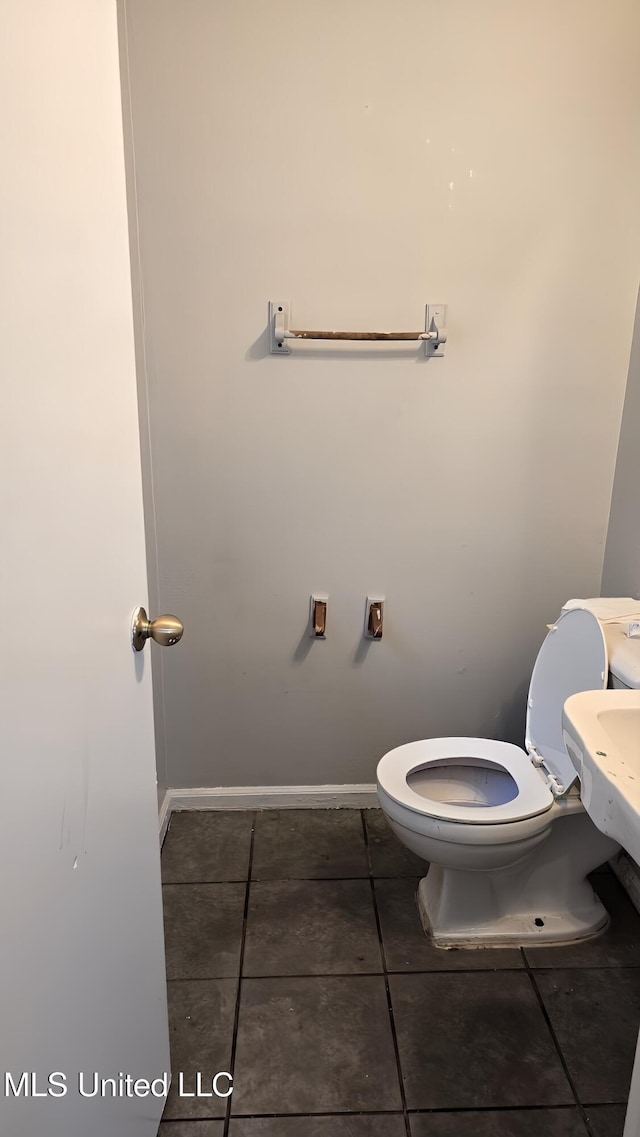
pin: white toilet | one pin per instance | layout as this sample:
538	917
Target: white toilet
508	841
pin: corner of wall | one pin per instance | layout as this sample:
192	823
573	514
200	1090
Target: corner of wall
143	395
621	565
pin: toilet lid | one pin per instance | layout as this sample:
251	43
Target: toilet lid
572	658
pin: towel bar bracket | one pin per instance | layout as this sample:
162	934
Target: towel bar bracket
281	332
435	319
279	311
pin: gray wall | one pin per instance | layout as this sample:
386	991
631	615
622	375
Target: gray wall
361	160
621	576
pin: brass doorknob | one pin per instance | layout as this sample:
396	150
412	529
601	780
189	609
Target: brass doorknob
165	630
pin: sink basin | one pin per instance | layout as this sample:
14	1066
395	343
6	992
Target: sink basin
602	735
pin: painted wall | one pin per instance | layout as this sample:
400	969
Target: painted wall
362	159
621	575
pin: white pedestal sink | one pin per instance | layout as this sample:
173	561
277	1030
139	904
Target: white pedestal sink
602	736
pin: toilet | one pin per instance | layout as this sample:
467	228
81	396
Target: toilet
508	841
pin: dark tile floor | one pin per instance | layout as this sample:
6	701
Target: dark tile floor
296	960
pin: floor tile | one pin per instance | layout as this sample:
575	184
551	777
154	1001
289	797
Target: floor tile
606	1120
407	948
311	927
362	1125
595	1015
500	1123
316	1045
203	929
387	854
619	946
201	1016
309	844
474	1040
191	1129
205	846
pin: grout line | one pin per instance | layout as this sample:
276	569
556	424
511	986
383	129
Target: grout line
180	883
597	1104
290	879
351	974
577	967
316	1113
446	1110
556	1043
394	1036
496	1108
236	1017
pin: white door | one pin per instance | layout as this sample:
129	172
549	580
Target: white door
82	986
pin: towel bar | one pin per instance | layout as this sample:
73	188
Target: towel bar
279	314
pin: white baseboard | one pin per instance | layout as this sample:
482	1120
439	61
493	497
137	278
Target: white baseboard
362	796
164	813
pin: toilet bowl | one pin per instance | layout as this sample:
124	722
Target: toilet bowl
508	841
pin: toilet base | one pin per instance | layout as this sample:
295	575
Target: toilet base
464	910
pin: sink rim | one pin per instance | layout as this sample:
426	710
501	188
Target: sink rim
582	723
609	783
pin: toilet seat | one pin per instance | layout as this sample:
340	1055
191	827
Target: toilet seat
532	795
572	658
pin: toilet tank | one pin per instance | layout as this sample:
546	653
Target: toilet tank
624	657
